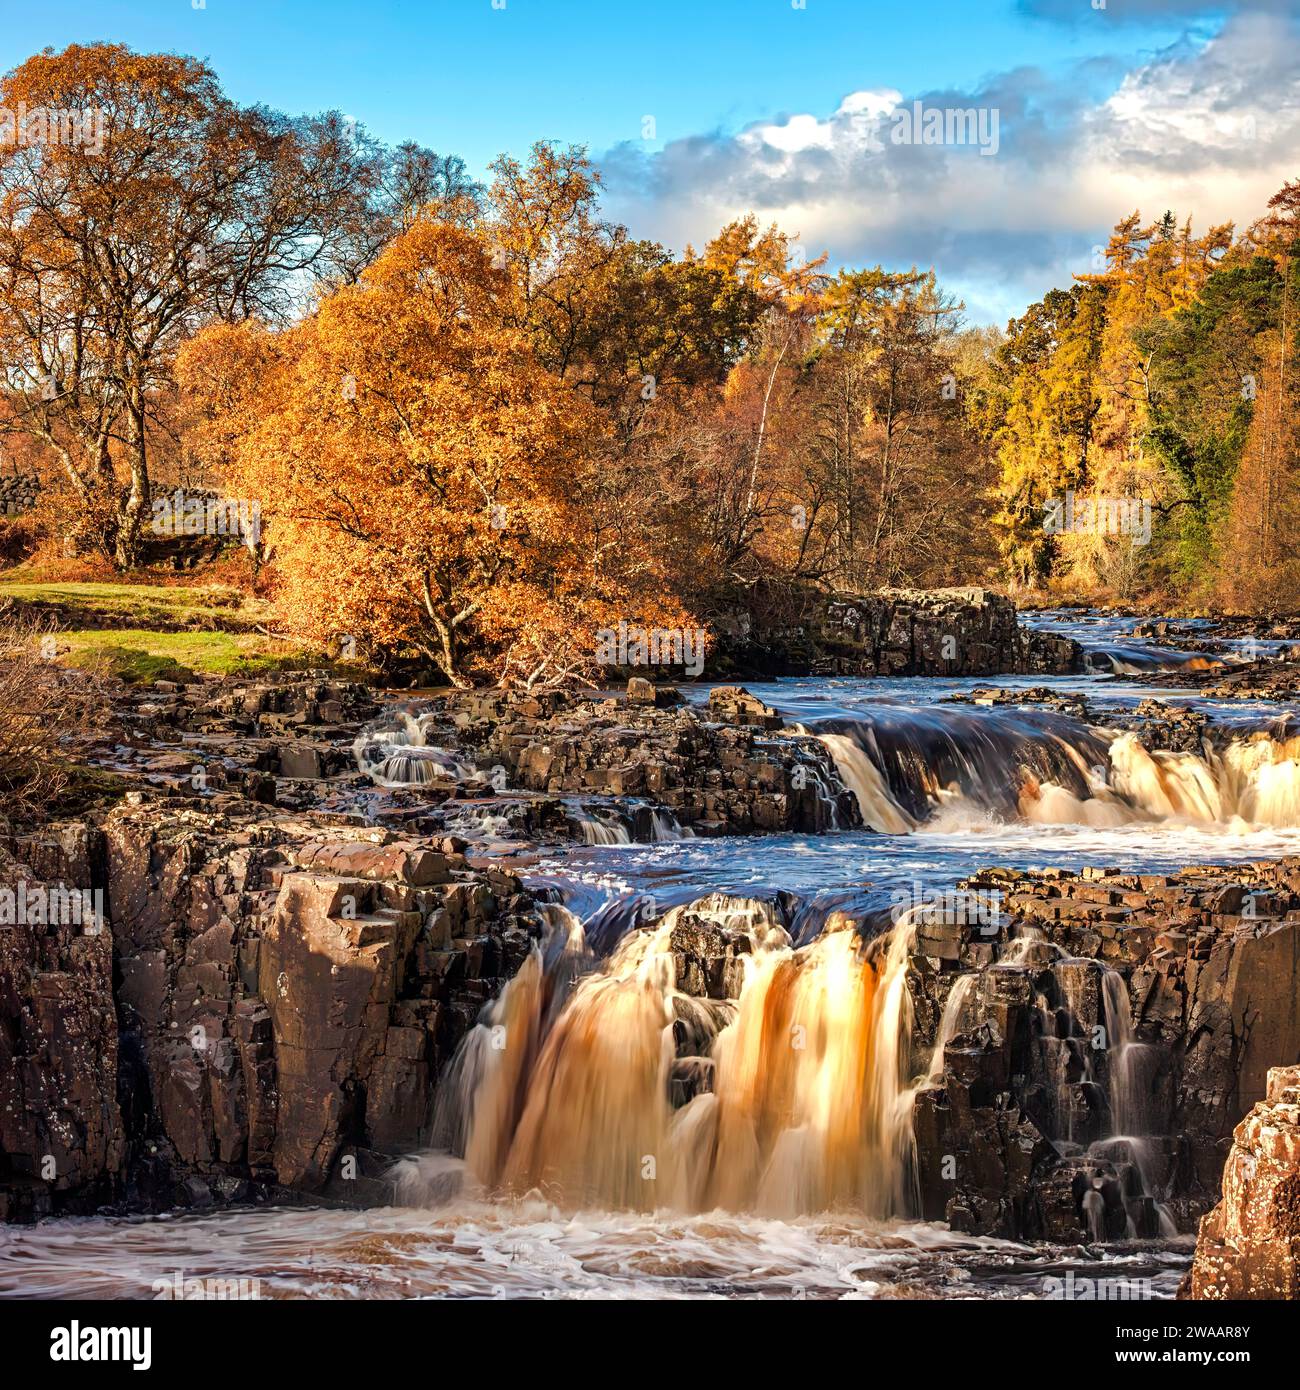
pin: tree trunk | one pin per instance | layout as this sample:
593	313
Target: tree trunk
131	512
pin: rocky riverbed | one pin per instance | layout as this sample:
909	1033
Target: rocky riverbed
318	899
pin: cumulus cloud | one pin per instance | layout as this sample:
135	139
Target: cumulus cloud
1206	127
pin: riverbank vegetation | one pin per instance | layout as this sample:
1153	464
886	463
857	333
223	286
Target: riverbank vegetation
477	424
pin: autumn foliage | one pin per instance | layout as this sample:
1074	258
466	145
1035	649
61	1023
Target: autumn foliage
483	423
423	473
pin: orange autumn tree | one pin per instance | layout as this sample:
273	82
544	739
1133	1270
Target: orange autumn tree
157	206
414	463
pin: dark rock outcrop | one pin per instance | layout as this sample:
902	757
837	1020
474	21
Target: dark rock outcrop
1111	1048
732	769
61	1134
898	632
265	1013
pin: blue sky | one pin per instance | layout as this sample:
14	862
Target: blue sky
753	104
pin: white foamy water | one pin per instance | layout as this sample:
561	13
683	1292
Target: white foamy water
527	1250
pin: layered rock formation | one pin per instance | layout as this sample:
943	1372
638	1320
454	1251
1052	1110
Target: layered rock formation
287	989
60	1126
730	769
1249	1245
901	632
1103	1037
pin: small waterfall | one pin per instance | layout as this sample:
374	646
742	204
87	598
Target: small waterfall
1129	1069
396	753
478	821
479	1096
641	824
1132	1066
1138	660
950	1024
602	830
1069	1038
1094	1211
788	1097
664	827
913	769
863	778
1261	775
905	764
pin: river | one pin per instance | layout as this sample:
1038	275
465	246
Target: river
941	782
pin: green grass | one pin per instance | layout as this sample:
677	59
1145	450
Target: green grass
142	633
140	656
157	606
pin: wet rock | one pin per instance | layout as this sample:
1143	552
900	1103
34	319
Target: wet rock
1208	1001
709	960
734	772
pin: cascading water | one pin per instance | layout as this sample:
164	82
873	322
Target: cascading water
1132	1066
641	824
914	768
795	1088
396	753
864	779
602	830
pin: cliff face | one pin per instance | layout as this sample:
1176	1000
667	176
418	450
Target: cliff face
271	996
1249	1245
60	1125
896	632
1086	1082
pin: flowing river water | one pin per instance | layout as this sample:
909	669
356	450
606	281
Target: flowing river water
603	1133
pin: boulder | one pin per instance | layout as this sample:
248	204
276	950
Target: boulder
1248	1247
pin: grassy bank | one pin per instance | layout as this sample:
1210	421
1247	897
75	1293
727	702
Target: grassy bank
140	655
161	607
142	632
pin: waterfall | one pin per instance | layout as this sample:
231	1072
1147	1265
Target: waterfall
1139	660
950	1023
396	753
863	778
1131	1070
910	769
665	828
602	830
788	1096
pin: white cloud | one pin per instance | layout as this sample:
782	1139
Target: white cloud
1206	128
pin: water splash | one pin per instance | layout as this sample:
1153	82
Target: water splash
777	1084
937	770
395	752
